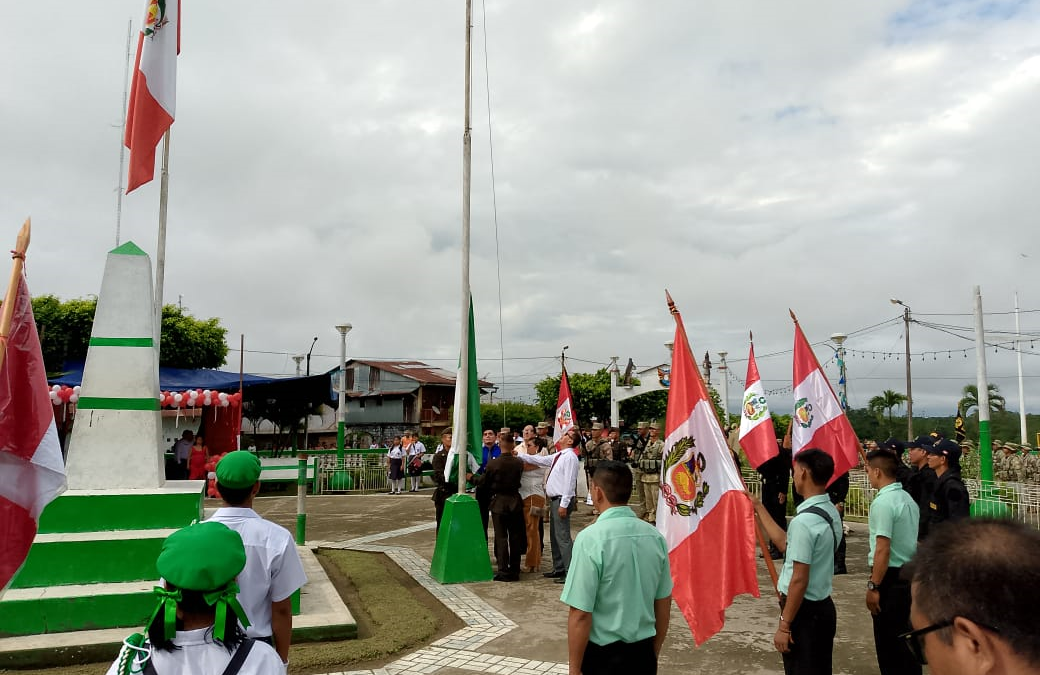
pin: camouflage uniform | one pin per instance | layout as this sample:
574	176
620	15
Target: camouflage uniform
651	466
638	496
969	460
1014	466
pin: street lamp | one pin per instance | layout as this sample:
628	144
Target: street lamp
723	376
307	412
909	396
341	410
298	358
839	339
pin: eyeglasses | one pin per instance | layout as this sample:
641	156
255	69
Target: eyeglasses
916	645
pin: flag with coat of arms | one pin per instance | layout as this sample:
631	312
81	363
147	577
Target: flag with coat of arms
702	511
819	420
757	434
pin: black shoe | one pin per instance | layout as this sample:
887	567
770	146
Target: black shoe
553	575
506	577
562	579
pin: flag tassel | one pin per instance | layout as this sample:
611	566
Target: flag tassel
20	246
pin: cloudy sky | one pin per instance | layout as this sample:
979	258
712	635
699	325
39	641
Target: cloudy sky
748	156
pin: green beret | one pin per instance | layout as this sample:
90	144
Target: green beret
239	469
202	557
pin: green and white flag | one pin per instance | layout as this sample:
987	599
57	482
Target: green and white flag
470	427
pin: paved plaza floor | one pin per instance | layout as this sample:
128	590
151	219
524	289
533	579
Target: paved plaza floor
521	627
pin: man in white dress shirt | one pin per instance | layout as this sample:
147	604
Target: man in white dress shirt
273	570
559	491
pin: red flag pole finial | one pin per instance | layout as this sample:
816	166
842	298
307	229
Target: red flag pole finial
671	303
751	337
793	317
7	309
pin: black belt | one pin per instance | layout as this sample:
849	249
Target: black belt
266	638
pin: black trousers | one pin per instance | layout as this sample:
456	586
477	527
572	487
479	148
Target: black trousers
483	495
440	495
812	634
892	654
510	539
620	658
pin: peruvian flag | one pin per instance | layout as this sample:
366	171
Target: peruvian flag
31	469
757	435
819	421
702	512
153	92
564	410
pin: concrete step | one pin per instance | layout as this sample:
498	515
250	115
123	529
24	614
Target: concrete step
56	609
174	505
60	559
323	616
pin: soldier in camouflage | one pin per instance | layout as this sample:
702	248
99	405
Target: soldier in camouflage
650	464
642	438
593	455
969	459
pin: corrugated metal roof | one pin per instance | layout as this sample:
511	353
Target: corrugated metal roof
416	370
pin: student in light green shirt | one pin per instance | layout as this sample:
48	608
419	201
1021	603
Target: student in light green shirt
619	585
894	517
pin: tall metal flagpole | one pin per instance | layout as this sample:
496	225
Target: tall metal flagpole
459	436
160	249
1021	384
122	133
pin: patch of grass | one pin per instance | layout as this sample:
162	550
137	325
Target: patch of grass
394	619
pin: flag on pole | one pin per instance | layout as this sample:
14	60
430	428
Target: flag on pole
958	426
564	410
32	472
471	425
702	511
819	421
153	90
757	435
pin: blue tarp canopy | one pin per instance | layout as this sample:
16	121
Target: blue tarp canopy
177	379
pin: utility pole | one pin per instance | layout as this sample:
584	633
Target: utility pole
909	394
307	413
724	379
839	339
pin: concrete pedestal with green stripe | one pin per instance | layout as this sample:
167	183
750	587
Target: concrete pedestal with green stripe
92	564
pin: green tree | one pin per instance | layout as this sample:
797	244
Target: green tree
515	415
970	399
887	401
65	327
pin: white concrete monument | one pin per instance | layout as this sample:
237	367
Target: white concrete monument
116	440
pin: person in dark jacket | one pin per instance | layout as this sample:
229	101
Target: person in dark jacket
502	479
950	501
922	481
776	476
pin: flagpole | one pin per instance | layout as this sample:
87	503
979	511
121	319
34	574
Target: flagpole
459	438
160	250
18	254
122	133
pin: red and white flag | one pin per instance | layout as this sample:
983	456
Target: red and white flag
819	421
153	91
31	469
564	410
702	511
757	435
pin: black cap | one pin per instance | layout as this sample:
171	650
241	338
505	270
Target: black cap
945	448
923	442
894	445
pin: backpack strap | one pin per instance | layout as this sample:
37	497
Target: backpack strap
240	657
827	517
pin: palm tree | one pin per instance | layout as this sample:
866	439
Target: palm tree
885	403
970	399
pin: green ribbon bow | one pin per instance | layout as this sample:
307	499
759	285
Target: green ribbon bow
222	598
168	606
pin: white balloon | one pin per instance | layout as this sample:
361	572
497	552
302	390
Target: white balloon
76	388
73	397
206	393
225	403
223	397
206	400
56	388
177	398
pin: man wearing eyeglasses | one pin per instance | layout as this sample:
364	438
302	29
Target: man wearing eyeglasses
975	597
893	540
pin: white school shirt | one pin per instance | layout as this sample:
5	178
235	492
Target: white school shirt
417	449
273	568
200	655
395	452
562	476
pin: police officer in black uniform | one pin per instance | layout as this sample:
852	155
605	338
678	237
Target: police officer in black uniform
776	475
950	501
